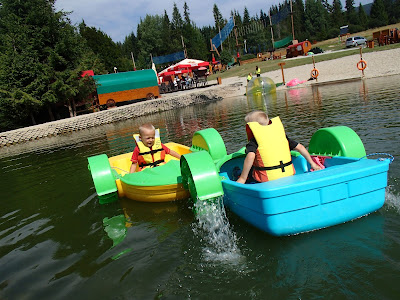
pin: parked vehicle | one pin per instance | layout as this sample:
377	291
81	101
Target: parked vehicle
355	41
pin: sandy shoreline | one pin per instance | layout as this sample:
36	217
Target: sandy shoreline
379	63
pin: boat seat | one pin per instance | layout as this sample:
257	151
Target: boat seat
300	164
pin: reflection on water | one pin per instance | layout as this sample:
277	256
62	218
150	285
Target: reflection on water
54	242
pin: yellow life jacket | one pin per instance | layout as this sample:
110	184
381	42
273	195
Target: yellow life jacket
273	159
258	71
150	157
249	77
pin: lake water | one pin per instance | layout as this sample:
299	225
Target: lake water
56	240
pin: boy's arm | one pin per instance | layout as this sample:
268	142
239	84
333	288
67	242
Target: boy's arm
174	154
303	151
248	162
171	152
133	168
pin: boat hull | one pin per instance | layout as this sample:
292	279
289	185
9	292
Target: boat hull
164	193
161	184
347	189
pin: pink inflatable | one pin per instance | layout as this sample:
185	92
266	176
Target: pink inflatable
295	82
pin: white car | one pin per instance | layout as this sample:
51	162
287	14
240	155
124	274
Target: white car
355	41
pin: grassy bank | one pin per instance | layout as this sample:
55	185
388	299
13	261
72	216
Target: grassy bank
331	48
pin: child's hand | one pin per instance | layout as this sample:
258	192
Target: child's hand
315	167
241	180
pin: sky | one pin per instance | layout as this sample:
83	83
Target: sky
118	18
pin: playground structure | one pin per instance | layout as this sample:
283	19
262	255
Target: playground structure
387	36
126	86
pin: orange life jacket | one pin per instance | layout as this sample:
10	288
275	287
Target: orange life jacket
273	159
150	158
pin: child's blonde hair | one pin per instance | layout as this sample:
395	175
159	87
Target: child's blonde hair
144	127
257	116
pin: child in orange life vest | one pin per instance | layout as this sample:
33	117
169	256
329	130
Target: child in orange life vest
147	136
249	173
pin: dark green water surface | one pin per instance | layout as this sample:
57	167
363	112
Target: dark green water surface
54	243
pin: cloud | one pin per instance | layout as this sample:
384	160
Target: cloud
118	18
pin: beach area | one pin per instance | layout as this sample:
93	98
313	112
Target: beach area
379	64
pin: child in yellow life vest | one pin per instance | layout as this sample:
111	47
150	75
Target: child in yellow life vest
149	151
249	77
268	150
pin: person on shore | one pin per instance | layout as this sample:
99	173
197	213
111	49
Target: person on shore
258	71
268	150
149	151
249	77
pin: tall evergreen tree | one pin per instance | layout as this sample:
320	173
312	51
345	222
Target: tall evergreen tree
166	31
351	15
315	21
102	44
396	10
218	19
246	17
150	42
177	21
378	15
388	4
337	18
299	20
186	14
39	60
362	17
177	28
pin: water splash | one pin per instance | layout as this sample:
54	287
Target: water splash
214	229
392	199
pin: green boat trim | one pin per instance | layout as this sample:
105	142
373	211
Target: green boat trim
167	174
336	141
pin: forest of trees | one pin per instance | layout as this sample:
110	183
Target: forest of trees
42	54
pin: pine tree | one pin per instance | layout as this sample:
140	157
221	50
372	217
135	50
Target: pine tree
337	18
166	34
219	20
299	20
351	15
396	10
40	60
362	16
246	17
101	44
177	21
378	16
315	21
186	14
150	42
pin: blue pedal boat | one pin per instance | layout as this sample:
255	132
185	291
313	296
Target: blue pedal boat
350	186
346	189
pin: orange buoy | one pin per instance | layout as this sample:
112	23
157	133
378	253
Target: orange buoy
361	65
314	73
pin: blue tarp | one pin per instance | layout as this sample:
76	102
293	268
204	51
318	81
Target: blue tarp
168	58
223	35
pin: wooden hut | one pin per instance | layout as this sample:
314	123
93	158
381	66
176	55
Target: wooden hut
301	48
126	86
